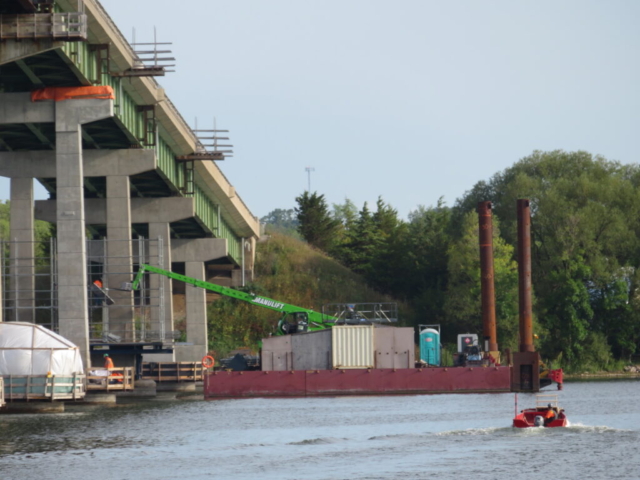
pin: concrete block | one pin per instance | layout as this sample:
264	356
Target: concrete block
68	194
18	108
75	330
74	248
69	273
68	141
198	249
72	299
182	387
95	163
73	178
71	113
92	398
102	163
18	164
162	210
190	353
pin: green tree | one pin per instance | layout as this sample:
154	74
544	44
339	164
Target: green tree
315	224
43	231
362	241
585	232
281	220
345	213
428	250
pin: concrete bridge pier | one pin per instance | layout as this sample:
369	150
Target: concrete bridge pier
119	265
22	253
194	253
70	115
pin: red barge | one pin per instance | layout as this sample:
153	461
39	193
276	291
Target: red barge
373	381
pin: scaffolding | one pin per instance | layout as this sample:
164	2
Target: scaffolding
28	283
70	27
29	280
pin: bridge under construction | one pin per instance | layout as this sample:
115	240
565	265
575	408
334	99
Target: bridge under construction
129	183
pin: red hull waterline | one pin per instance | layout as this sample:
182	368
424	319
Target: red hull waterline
374	381
526	419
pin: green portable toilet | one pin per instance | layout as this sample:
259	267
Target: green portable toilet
430	346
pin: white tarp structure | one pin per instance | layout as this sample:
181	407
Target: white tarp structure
28	349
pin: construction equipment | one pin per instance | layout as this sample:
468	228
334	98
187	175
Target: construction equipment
294	319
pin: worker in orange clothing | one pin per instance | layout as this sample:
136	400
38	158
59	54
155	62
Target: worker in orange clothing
108	363
550	416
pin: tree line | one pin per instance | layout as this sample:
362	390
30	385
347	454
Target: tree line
585	232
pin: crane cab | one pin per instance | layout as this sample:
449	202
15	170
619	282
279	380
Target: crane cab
297	322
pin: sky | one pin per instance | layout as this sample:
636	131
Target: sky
410	100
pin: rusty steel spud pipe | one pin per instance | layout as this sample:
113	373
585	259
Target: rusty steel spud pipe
485	230
524	275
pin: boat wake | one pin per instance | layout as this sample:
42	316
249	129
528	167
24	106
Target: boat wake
472	432
397	436
581	428
318	441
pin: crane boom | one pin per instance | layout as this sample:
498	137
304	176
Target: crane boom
304	319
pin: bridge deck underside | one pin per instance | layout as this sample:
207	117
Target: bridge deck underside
54	68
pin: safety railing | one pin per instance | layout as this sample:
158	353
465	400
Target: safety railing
70	26
44	387
172	371
109	379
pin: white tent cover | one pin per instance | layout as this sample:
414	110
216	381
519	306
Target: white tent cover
29	349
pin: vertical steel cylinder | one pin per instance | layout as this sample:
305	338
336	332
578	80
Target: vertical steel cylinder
524	275
485	228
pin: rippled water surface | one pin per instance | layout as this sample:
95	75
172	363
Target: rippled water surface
464	437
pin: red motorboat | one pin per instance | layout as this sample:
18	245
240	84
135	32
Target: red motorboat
547	414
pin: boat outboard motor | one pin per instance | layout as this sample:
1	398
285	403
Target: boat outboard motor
538	421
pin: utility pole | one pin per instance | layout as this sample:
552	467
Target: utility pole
309	170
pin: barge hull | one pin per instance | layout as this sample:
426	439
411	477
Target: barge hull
374	381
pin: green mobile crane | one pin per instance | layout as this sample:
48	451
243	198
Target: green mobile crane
294	319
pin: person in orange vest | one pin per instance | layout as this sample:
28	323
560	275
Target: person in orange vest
108	363
96	292
550	416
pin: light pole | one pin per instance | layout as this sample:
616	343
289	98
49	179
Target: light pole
309	170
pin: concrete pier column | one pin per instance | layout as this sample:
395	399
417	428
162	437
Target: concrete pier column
159	283
118	263
72	267
22	255
72	264
196	304
194	253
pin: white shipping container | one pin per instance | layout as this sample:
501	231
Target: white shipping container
353	346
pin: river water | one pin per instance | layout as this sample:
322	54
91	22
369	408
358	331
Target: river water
405	437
